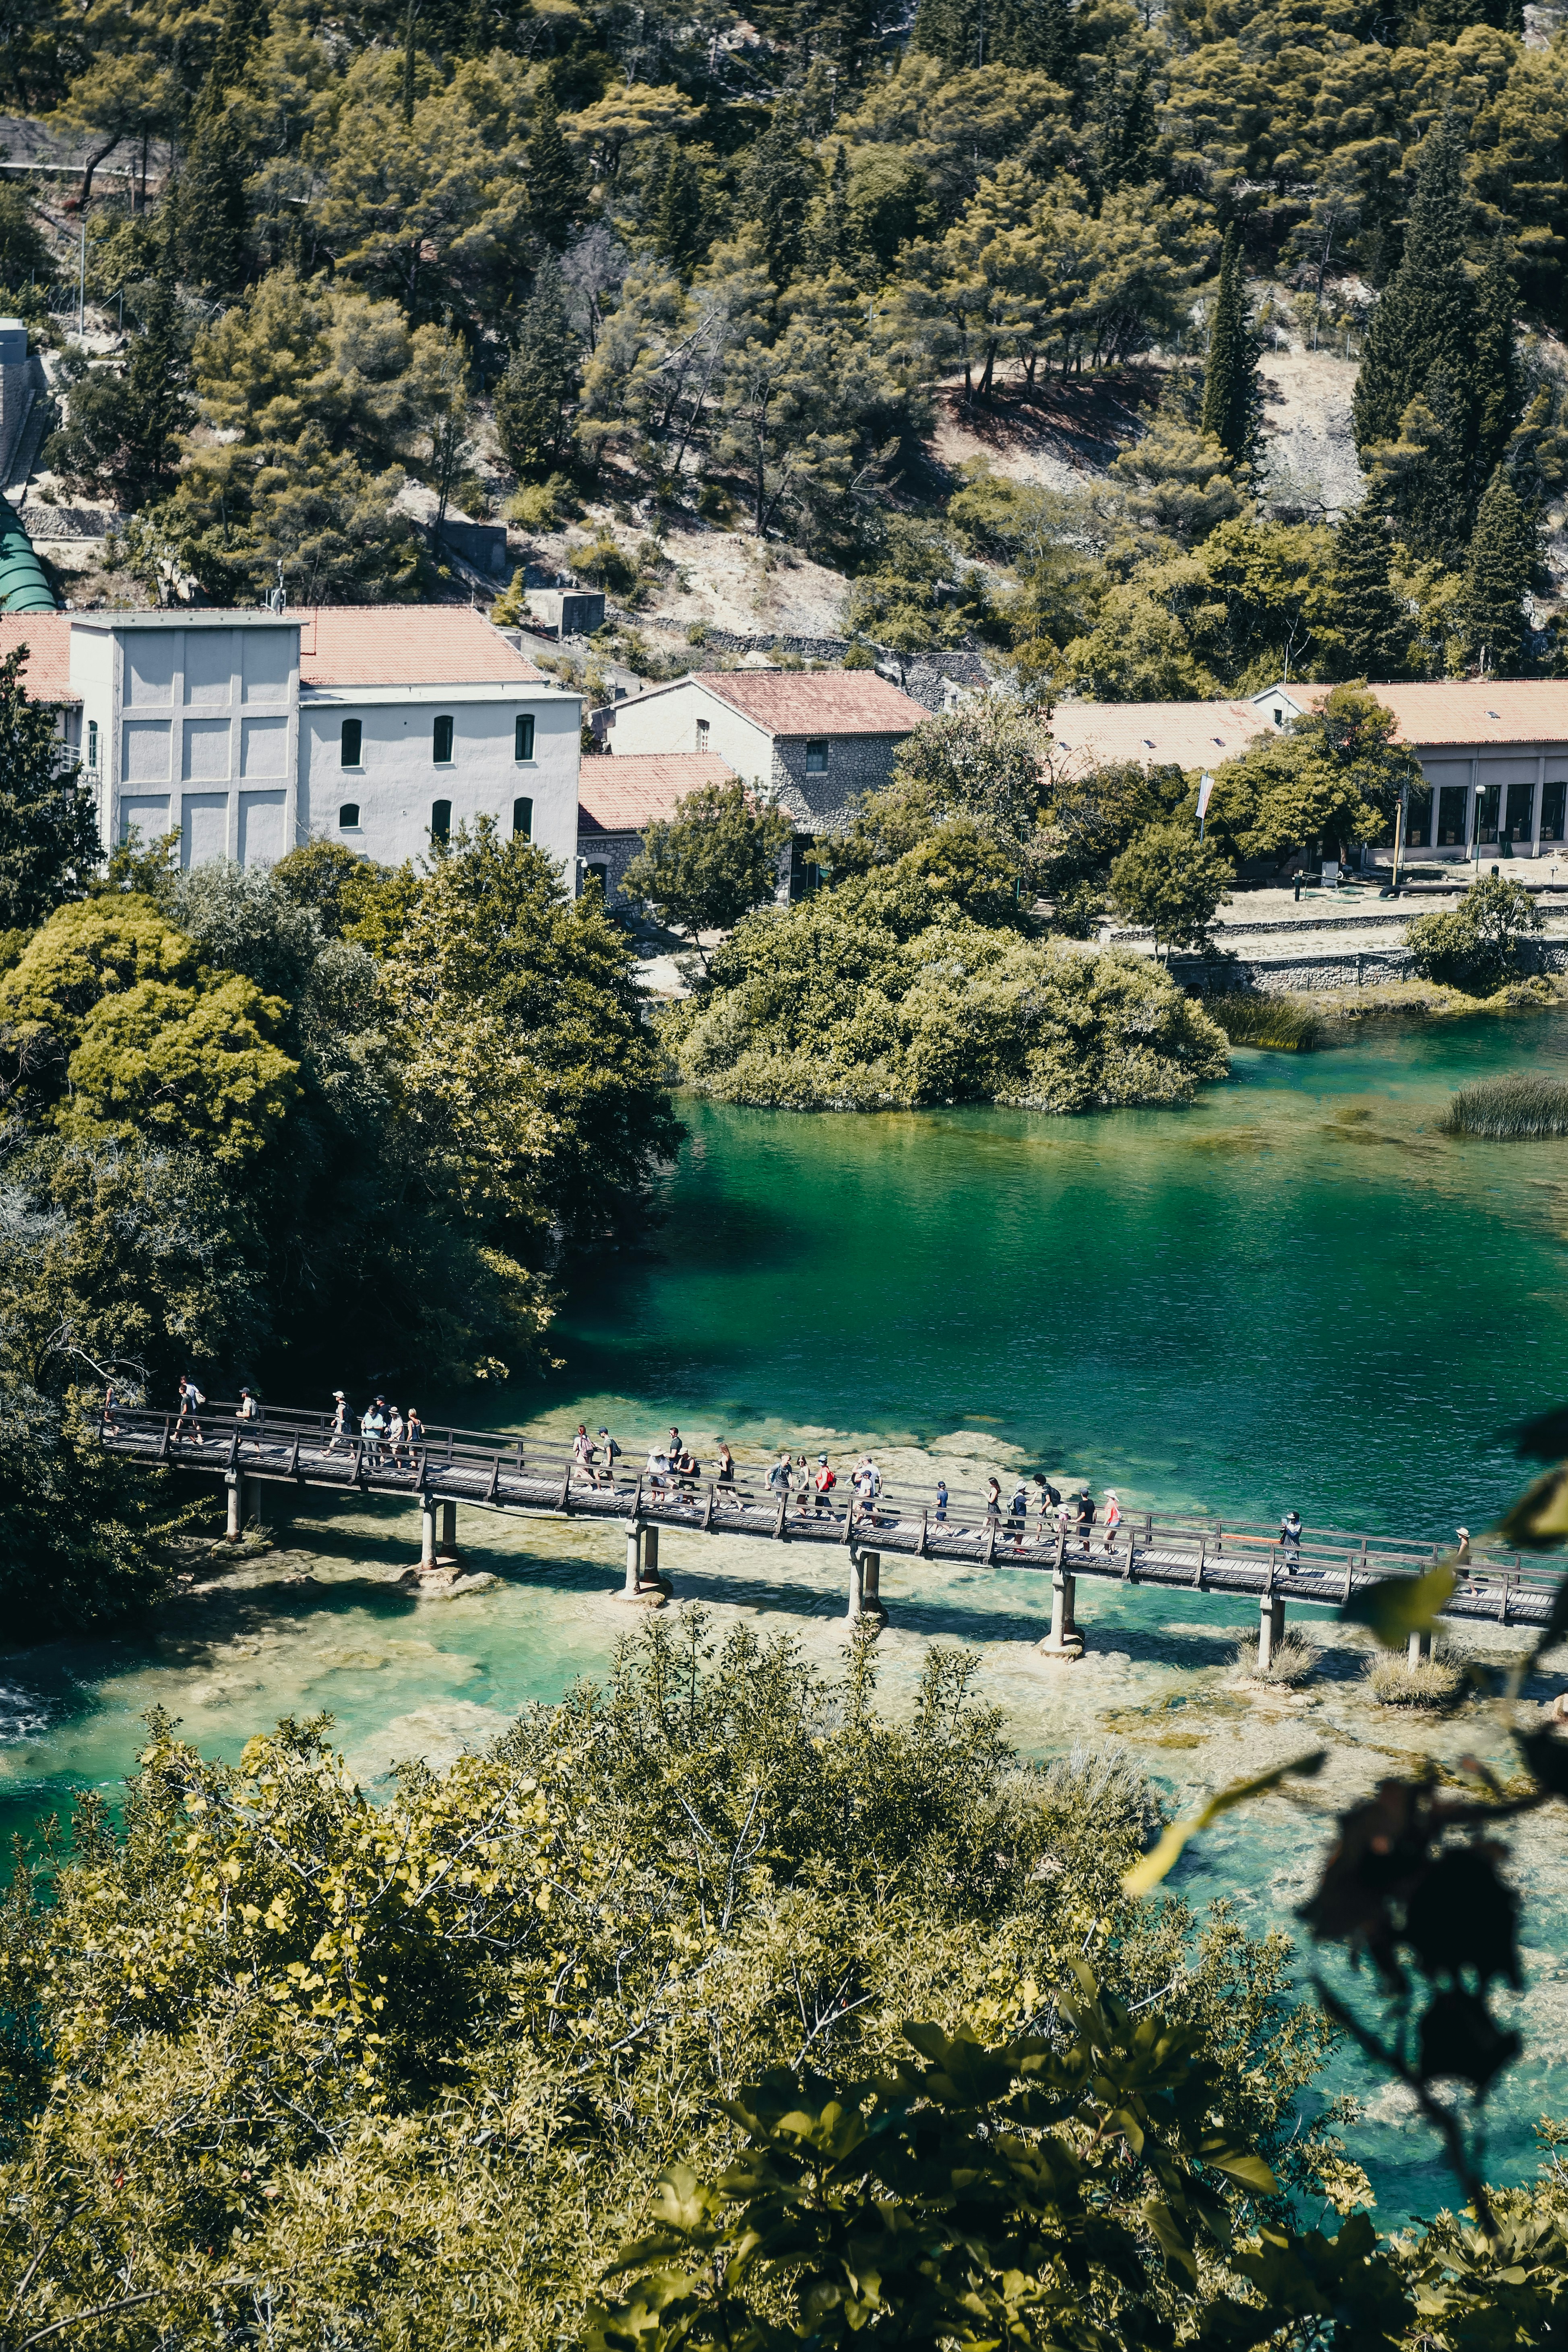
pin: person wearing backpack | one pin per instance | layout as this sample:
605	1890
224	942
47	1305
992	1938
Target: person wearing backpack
191	1400
823	1482
609	1454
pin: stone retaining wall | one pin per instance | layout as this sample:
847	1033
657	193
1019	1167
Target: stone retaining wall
1321	968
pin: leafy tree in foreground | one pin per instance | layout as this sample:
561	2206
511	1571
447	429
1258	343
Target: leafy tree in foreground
713	862
1478	944
1173	882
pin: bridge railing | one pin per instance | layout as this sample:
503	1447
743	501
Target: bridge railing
280	1441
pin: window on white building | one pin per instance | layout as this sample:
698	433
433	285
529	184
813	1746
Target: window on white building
441	818
92	742
522	819
523	745
348	816
442	742
702	734
352	742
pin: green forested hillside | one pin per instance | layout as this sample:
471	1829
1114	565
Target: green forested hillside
577	256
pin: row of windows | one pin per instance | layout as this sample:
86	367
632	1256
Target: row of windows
441	819
352	752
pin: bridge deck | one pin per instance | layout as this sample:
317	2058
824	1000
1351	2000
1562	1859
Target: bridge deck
511	1473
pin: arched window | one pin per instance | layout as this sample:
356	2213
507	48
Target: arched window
523	744
353	736
441	818
348	816
443	742
522	820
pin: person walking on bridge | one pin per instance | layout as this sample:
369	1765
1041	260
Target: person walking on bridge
823	1485
781	1477
608	1454
1113	1518
725	1481
341	1432
191	1400
1085	1517
414	1435
583	1454
1290	1540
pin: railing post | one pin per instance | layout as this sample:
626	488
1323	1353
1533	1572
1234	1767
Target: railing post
708	1508
925	1529
1198	1579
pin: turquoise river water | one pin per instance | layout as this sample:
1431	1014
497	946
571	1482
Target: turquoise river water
1298	1291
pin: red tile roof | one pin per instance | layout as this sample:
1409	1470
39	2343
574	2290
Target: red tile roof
1470	710
1176	734
48	637
406	645
817	701
635	788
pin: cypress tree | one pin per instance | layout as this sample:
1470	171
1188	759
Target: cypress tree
1425	318
1421	478
839	240
553	191
1232	400
1499	393
1374	627
213	220
677	216
540	381
1500	565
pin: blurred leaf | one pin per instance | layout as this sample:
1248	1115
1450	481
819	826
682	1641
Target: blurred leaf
1250	2170
1539	1520
1157	1865
1397	1606
1545	1439
1547	1758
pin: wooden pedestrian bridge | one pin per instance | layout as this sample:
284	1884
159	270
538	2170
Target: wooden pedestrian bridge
498	1470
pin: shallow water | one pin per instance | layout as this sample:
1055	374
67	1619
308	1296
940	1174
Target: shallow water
1300	1291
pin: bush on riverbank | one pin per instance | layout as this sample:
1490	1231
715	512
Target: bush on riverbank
887	993
1505	1109
1478	945
1295	1660
407	2069
1280	1023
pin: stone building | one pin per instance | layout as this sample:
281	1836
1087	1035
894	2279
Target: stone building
249	732
1493	754
618	799
813	740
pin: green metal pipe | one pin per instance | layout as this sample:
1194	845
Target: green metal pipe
23	587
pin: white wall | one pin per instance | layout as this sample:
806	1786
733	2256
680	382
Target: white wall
665	721
397	783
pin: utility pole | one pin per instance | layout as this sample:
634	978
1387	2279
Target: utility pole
81	267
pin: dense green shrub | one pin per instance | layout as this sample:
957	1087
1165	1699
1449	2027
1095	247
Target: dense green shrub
885	992
1475	945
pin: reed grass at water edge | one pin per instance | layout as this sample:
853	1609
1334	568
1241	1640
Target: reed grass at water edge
1510	1109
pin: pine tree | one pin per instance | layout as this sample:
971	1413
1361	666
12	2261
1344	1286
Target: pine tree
540	381
1501	563
1034	36
777	184
1372	625
1499	393
1425	318
838	234
1233	399
244	27
677	216
214	218
553	189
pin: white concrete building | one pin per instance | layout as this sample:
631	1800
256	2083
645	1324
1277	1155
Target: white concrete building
249	732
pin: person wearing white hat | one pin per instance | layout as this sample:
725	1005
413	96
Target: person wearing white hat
340	1420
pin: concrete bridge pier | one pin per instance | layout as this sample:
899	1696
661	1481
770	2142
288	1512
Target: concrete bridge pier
235	1524
1064	1640
644	1586
449	1532
1270	1626
865	1604
1418	1650
427	1533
